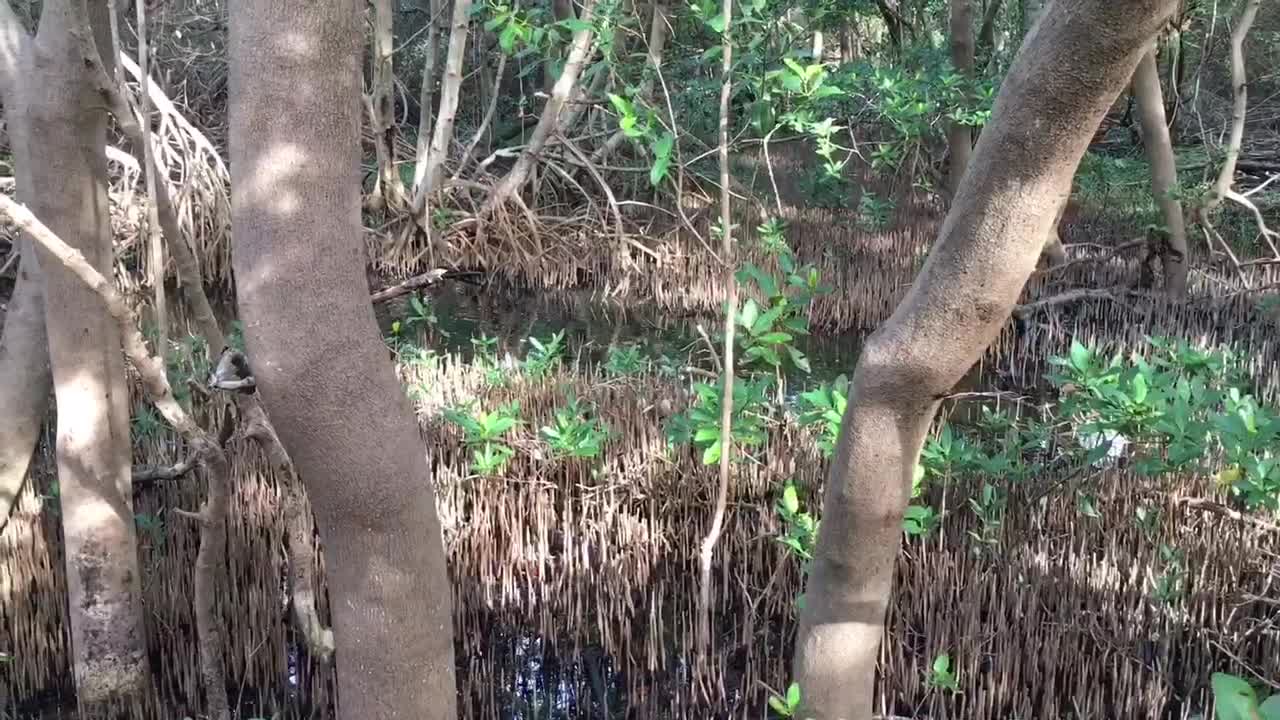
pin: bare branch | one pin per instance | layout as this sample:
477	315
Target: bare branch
1223	510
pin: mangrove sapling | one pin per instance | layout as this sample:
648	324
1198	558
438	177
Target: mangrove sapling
723	445
574	433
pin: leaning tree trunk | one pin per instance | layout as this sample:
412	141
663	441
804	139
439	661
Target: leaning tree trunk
24	370
321	367
960	136
1164	173
24	350
1070	69
61	146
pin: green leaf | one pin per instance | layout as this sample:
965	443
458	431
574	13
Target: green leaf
1234	698
711	455
793	695
707	434
942	664
658	172
717	23
576	24
775	338
776	703
1080	356
1139	389
790	500
1270	709
750	311
622	105
799	359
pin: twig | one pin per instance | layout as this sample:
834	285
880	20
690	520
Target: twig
1223	510
151	474
1070	296
417	282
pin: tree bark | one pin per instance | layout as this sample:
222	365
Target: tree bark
548	122
321	367
960	136
62	148
450	91
25	380
1240	102
986	46
1065	77
24	371
1164	172
426	100
382	108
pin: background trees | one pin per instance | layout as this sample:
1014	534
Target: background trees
513	148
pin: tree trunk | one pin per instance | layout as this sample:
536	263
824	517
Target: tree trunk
1240	101
1064	79
1164	172
986	47
321	367
960	136
450	91
658	31
24	367
25	381
548	122
62	147
382	107
426	100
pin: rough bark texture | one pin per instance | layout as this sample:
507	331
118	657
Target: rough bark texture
322	369
1070	69
67	124
1164	172
960	137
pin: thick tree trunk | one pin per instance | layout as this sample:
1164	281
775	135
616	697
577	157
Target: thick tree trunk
64	151
959	136
1069	71
321	367
1164	172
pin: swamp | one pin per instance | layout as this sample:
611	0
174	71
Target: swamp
802	358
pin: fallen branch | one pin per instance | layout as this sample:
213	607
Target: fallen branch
152	474
1117	295
1117	250
1223	510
